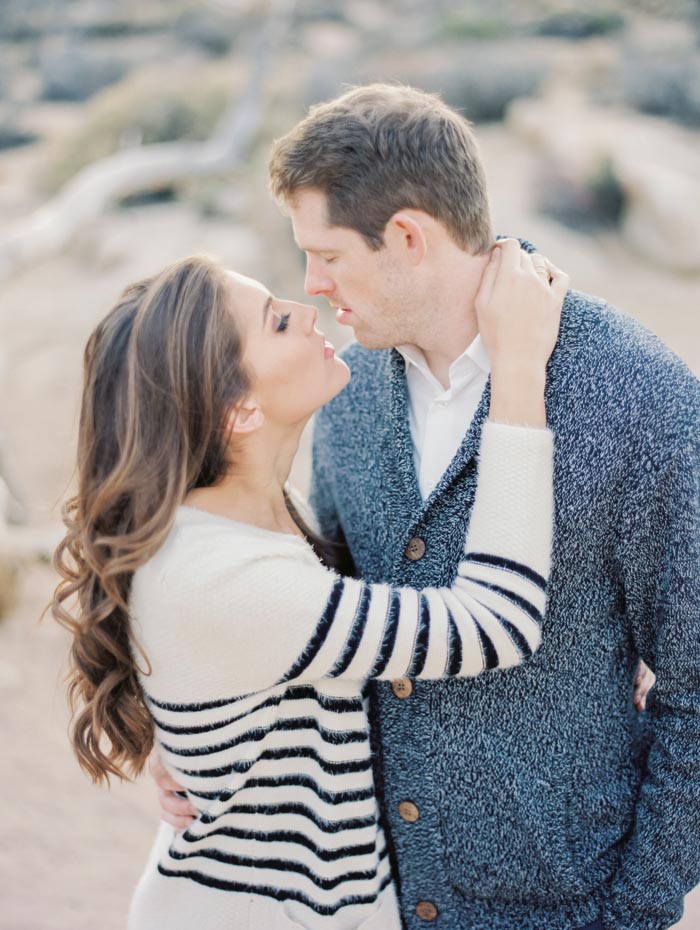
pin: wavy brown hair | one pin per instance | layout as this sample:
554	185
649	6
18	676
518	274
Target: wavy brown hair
161	371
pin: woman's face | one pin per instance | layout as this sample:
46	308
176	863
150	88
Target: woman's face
293	367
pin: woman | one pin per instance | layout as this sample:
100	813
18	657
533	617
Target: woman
206	617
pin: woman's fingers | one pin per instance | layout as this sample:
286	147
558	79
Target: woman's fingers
174	809
510	255
488	278
504	262
559	280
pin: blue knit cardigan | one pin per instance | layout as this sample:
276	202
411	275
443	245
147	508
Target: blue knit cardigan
545	799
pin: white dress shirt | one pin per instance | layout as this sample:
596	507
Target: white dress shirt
440	418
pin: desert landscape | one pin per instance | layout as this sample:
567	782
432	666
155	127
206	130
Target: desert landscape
589	126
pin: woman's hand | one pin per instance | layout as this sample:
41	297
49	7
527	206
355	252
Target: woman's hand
175	810
518	309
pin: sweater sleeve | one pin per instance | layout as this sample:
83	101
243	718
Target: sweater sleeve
297	621
660	559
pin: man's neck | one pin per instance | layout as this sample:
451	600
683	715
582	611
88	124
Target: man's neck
441	359
453	324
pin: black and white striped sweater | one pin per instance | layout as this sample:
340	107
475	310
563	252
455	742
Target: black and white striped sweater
259	657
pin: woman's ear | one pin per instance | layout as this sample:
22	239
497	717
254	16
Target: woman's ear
245	417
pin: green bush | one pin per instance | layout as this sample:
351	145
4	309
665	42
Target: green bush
461	26
141	111
581	24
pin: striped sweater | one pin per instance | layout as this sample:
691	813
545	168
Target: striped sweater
259	659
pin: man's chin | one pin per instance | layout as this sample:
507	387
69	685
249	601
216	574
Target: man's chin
373	341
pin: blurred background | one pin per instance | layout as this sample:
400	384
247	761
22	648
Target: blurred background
135	132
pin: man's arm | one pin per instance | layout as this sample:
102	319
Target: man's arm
660	555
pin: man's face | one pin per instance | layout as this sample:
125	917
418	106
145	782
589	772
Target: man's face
370	290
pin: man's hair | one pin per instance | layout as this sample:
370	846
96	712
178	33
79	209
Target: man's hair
382	148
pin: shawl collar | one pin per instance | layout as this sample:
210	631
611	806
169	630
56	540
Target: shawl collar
401	443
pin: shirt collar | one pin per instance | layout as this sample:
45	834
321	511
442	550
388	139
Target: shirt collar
475	354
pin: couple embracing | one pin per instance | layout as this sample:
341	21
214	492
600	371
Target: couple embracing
411	704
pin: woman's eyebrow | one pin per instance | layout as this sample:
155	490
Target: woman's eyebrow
266	309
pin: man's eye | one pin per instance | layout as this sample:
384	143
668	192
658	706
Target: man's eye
283	323
329	261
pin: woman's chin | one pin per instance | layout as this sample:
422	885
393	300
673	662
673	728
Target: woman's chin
338	383
343	374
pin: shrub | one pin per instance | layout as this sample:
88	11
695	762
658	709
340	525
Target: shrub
586	204
141	111
581	24
663	86
461	26
12	136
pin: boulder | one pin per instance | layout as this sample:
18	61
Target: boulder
662	215
638	171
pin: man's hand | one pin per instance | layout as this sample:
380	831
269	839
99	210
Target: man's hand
176	811
643	684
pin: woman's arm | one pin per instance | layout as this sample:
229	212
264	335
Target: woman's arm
296	621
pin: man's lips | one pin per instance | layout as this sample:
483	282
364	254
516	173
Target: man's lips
342	315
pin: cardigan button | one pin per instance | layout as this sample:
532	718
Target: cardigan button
426	910
415	549
408	811
402	687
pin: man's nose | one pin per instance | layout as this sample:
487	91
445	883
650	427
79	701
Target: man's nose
316	281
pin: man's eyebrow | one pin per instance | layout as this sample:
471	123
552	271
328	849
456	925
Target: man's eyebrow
266	310
315	250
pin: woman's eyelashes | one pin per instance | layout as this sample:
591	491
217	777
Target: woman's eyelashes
283	322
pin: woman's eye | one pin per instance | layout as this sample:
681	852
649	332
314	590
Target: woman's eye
283	323
329	261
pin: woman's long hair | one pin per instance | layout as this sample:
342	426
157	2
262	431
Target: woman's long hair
161	371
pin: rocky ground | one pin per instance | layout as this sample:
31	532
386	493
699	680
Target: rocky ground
72	852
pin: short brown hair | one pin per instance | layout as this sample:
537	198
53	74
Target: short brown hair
382	148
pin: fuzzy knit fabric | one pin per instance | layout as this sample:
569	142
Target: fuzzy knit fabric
259	657
545	798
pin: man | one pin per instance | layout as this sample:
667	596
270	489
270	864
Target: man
537	799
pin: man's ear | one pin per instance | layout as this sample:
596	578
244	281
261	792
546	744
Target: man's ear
405	233
245	417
